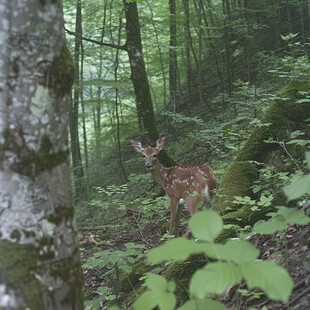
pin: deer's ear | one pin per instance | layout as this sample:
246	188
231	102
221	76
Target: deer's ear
160	143
137	145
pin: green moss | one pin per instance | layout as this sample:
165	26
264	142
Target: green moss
181	273
284	116
129	280
69	270
164	227
60	214
15	234
236	182
19	262
61	73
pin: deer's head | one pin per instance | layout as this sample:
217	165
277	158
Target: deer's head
149	153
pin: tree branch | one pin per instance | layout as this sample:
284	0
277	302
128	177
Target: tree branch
120	47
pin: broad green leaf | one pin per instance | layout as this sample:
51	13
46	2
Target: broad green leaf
166	301
293	216
230	251
158	295
214	279
206	225
171	286
177	249
270	226
297	189
156	282
114	308
203	304
146	301
273	279
308	159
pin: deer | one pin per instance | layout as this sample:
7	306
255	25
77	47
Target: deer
187	184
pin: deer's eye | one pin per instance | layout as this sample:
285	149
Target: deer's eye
154	156
143	156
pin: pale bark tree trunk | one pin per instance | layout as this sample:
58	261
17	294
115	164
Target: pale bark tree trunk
39	261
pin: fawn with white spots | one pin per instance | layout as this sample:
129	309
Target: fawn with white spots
192	183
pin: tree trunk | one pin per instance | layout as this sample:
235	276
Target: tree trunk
74	114
39	262
139	79
173	55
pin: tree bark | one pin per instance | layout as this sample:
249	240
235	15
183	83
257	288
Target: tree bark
39	262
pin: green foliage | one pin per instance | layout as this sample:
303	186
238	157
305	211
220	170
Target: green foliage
230	267
301	187
110	264
160	294
112	258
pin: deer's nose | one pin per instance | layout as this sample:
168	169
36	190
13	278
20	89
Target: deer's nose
148	166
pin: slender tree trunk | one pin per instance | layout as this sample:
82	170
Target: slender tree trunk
39	261
187	47
74	114
173	55
146	117
120	161
162	65
84	124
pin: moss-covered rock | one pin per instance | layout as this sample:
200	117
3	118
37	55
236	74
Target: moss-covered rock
236	182
284	116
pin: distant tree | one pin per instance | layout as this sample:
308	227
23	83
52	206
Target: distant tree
79	182
139	79
39	261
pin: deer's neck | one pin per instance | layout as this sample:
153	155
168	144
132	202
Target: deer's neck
160	173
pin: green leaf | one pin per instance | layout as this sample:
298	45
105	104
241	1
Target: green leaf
273	279
297	189
269	227
203	304
146	301
206	225
230	251
308	159
293	216
171	286
214	279
159	294
166	301
303	100
156	282
177	249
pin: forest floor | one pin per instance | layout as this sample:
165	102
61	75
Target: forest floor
291	251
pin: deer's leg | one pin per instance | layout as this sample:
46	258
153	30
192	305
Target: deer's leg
177	218
191	203
174	204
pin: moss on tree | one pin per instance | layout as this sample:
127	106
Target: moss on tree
61	73
19	269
